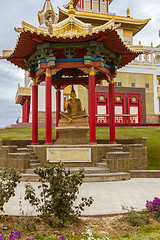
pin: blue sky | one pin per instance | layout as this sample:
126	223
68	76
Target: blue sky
12	12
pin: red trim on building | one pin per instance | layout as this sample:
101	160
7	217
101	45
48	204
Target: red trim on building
135	103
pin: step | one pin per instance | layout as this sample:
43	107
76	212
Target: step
89	170
19	155
102	165
30	171
96	177
106	177
24	150
29	177
117	155
145	173
34	161
35	165
116	149
32	157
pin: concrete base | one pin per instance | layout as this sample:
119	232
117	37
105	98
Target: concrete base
72	135
145	173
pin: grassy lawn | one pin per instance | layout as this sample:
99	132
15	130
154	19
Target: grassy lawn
151	133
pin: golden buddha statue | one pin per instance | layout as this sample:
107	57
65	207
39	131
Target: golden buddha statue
74	108
73	125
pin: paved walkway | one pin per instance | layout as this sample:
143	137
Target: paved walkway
108	196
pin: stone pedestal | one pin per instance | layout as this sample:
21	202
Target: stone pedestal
72	135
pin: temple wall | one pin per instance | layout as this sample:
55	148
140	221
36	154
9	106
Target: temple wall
140	80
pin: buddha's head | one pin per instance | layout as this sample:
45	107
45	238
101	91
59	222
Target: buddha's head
73	93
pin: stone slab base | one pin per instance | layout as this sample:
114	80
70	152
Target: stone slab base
145	173
72	135
94	177
106	177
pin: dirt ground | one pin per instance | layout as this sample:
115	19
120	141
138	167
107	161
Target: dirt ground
104	226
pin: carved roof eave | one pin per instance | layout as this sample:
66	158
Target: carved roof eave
30	36
99	18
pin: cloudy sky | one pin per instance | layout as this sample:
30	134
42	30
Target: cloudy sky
12	12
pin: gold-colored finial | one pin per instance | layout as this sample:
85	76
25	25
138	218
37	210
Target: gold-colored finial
140	43
151	44
71	9
128	12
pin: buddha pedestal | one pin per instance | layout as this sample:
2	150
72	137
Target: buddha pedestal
72	133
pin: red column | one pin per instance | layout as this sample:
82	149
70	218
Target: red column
27	110
91	5
48	81
107	5
82	4
34	113
99	5
92	118
112	111
58	109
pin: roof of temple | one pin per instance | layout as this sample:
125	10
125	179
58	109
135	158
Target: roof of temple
70	30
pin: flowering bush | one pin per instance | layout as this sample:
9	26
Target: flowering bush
154	206
12	236
63	237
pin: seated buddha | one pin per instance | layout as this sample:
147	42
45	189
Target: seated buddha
74	113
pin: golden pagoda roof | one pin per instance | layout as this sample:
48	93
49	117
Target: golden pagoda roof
97	19
68	31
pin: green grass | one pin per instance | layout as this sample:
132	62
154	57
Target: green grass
144	233
23	133
151	133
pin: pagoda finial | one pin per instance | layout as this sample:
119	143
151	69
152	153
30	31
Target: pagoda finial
47	13
128	12
71	9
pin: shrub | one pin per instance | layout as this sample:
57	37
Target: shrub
134	218
154	207
9	179
59	189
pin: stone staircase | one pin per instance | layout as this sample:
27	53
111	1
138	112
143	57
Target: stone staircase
34	162
99	173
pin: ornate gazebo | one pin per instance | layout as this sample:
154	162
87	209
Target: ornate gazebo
69	52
